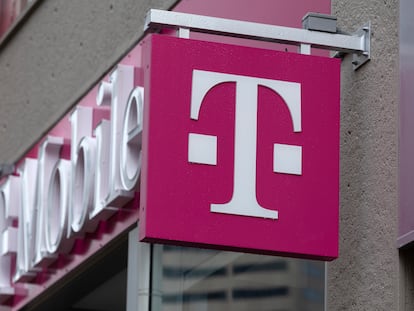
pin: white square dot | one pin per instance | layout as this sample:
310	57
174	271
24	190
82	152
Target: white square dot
287	159
202	149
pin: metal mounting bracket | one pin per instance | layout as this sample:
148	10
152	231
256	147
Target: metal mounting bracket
359	59
357	44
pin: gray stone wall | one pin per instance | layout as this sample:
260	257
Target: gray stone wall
365	277
49	64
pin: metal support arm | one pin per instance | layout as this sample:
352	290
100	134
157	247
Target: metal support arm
357	44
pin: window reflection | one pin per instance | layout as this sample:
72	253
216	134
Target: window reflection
204	280
10	10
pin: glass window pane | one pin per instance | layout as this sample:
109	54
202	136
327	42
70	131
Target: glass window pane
206	280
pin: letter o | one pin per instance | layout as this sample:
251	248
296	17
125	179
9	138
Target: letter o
56	217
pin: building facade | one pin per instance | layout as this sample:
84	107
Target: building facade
58	51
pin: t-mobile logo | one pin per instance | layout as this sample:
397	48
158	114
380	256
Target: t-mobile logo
202	149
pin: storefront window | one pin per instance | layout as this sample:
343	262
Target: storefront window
204	280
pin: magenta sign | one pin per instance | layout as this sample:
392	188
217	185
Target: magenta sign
240	148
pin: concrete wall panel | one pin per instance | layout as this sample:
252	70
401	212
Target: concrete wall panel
365	277
63	46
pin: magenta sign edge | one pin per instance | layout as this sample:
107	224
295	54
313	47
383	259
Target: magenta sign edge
158	217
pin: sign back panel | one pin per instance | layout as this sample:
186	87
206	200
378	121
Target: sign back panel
240	149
